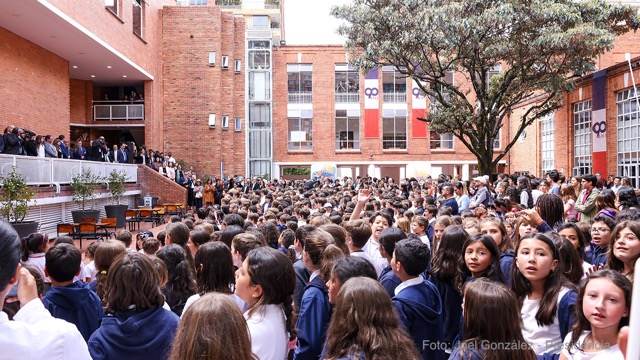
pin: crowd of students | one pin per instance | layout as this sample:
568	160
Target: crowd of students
363	269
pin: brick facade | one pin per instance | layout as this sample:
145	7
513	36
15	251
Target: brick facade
167	191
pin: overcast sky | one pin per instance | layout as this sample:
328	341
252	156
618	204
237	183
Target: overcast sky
309	22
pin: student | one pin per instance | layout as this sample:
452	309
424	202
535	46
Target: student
495	228
125	236
484	302
150	246
417	300
302	273
345	269
419	225
196	239
105	253
571	232
212	328
214	273
181	284
481	258
89	256
602	308
241	245
388	239
378	222
358	233
34	247
33	333
136	325
265	282
319	254
443	274
546	297
362	308
571	264
439	225
600	240
69	300
625	248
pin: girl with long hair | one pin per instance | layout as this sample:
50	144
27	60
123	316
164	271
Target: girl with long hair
569	198
480	259
495	228
625	249
365	325
181	284
606	204
571	232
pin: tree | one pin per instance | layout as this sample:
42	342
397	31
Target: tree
542	46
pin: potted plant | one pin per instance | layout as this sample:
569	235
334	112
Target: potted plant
16	195
83	188
116	181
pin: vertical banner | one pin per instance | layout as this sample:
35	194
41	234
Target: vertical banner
371	104
418	110
599	123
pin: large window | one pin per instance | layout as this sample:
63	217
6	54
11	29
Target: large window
582	138
548	143
347	129
394	85
347	85
442	141
259	115
259	59
394	129
260	21
138	16
299	83
259	85
300	134
628	136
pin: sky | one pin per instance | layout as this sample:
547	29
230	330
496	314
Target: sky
309	22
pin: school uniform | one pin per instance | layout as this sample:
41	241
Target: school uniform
467	354
372	248
193	298
35	334
313	319
364	255
389	281
268	332
451	310
419	308
597	256
546	340
139	335
76	304
302	278
506	265
575	352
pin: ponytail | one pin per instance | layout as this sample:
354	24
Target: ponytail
330	255
34	243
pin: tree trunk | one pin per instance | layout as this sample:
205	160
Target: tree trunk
485	165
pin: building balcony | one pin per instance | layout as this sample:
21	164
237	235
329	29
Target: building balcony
347	97
394	97
118	111
300	98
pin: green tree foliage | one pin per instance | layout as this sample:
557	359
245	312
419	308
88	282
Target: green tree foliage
542	46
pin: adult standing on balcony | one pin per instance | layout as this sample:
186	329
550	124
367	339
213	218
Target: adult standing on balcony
63	148
97	150
49	150
123	154
12	140
112	156
79	152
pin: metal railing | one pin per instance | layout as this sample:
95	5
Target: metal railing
300	98
347	97
56	172
394	98
109	111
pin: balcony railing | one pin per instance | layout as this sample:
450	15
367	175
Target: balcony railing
56	172
118	111
347	97
300	98
394	98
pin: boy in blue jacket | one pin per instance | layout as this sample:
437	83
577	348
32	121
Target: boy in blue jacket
417	300
68	300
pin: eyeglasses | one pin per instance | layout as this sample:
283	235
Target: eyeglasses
599	230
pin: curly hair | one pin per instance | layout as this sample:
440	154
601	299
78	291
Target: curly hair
181	284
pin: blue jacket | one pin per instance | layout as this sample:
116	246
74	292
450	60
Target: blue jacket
566	318
506	265
76	304
469	354
451	309
389	281
453	204
313	319
597	256
420	310
302	278
135	335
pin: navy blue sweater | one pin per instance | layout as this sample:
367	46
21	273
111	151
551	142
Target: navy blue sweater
389	281
313	319
451	309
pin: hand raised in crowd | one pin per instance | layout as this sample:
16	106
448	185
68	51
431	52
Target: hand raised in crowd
364	195
531	216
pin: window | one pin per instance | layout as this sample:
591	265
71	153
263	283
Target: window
237	66
112	5
191	2
548	143
225	121
628	135
347	84
493	72
394	129
138	16
260	22
212	58
212	120
300	134
299	83
225	62
497	142
259	59
259	115
238	124
347	130
394	85
259	85
442	141
582	138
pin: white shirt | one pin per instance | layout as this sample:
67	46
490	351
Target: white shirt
611	353
90	270
241	304
365	256
411	282
543	339
38	260
35	334
372	248
268	331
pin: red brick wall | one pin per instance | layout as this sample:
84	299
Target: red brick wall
167	191
34	87
193	90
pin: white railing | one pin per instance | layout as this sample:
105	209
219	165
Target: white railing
394	98
56	172
347	97
300	98
106	111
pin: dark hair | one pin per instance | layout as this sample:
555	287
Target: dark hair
125	236
353	266
132	280
9	253
270	232
613	262
554	282
199	237
447	255
63	262
302	231
233	219
384	215
64	239
273	271
606	199
571	262
227	235
607	220
181	284
591	178
493	272
414	255
627	197
551	209
214	268
389	237
245	242
339	235
150	246
582	242
322	251
34	243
